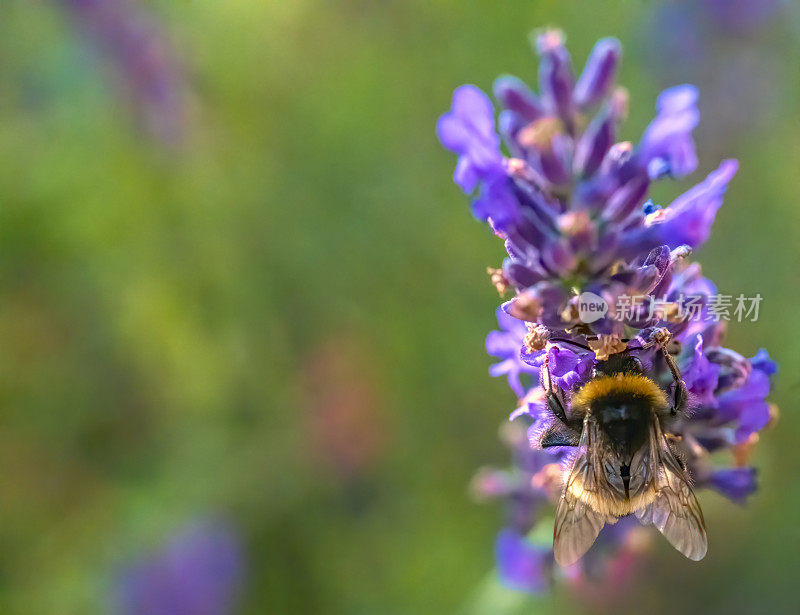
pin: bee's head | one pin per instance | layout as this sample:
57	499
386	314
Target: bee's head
620	363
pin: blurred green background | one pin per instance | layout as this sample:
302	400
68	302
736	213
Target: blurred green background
280	316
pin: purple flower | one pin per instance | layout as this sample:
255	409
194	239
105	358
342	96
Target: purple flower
496	203
556	80
569	368
517	98
598	75
505	345
568	205
581	235
728	391
667	147
762	362
746	405
688	219
734	483
144	59
701	32
198	572
468	130
740	16
521	565
701	376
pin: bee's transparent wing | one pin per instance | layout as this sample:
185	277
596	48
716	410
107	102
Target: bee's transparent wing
577	525
675	511
641	472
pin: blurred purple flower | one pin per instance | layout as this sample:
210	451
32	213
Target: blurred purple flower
198	572
734	483
520	564
742	32
144	61
740	16
762	362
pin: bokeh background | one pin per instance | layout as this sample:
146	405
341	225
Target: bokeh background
237	282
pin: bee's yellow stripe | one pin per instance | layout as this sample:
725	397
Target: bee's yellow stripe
634	385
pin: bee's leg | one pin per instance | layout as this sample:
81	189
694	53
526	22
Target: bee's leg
557	408
553	402
558	437
679	397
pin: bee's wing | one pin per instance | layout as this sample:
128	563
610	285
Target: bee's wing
675	511
642	472
577	525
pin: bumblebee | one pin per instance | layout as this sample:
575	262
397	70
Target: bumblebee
624	463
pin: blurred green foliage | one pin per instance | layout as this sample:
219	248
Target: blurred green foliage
283	317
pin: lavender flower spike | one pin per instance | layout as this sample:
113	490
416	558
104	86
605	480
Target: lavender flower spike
589	255
198	572
144	61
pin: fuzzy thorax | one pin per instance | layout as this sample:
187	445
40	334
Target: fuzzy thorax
619	386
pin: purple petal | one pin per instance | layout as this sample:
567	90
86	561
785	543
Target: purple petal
594	144
502	344
762	362
505	345
690	216
626	198
669	135
466	176
522	274
468	130
701	376
517	97
558	257
599	73
555	74
497	203
734	483
475	110
568	368
746	405
688	220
